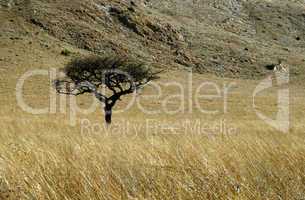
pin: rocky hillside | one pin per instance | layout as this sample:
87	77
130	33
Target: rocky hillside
234	38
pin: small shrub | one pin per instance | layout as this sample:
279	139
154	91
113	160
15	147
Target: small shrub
66	52
270	66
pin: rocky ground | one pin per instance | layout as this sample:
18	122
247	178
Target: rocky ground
232	38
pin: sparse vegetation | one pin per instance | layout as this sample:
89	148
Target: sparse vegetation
66	52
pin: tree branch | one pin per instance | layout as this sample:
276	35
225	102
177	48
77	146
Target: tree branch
79	88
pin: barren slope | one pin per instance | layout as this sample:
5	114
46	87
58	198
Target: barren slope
235	38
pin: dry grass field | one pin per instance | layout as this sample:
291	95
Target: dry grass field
146	156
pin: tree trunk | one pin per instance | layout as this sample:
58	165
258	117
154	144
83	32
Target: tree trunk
108	114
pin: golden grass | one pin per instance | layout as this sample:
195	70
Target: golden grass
42	157
64	164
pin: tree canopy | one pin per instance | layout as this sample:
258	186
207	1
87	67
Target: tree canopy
108	78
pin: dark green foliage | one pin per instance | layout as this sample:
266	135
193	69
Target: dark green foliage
119	75
99	70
